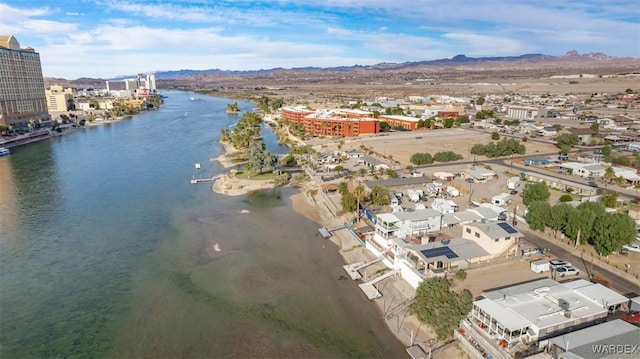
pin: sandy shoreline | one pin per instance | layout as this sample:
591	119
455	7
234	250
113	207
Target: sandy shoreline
230	185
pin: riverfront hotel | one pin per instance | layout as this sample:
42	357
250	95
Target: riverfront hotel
343	122
23	104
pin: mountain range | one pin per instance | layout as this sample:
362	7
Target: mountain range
552	64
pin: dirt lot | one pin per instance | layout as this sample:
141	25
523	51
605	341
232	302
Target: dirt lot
399	146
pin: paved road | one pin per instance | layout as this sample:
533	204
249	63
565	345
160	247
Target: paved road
557	250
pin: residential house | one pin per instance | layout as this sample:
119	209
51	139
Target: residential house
584	169
584	134
374	163
497	238
418	223
444	206
479	174
561	184
435	258
534	311
501	199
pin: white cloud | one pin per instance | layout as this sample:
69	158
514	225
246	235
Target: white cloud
483	45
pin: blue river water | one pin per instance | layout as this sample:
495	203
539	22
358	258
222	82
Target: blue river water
107	250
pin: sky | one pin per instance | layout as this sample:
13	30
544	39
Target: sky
111	38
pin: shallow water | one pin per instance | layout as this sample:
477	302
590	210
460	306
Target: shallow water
106	250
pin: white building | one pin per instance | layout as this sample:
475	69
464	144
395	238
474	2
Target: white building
501	199
542	309
444	206
523	113
584	169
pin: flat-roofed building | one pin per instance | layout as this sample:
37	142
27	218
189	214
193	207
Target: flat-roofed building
405	122
616	338
294	114
524	113
337	123
59	99
542	309
23	104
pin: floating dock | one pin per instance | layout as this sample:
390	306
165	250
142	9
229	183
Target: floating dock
324	232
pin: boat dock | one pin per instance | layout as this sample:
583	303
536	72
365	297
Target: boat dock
369	287
326	232
198	180
353	269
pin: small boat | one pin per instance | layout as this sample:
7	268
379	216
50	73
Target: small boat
186	114
197	166
4	151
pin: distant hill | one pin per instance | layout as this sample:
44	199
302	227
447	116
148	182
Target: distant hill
459	63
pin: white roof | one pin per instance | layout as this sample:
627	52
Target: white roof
501	196
400	118
493	207
541	304
592	334
387	217
508	318
596	292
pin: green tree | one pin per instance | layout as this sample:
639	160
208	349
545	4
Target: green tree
535	192
441	308
595	126
360	194
610	199
538	215
446	156
480	101
421	158
621	160
349	202
448	122
380	196
609	174
568	139
566	198
606	152
558	216
495	136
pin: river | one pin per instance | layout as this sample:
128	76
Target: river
107	250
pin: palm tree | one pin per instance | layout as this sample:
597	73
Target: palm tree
609	175
359	193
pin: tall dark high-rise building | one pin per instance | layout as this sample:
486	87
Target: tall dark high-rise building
23	104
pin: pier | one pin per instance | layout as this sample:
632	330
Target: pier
198	180
353	269
369	287
326	232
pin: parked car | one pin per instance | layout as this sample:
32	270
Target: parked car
635	247
557	263
470	180
513	192
567	270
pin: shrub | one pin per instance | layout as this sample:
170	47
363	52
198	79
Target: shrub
566	198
